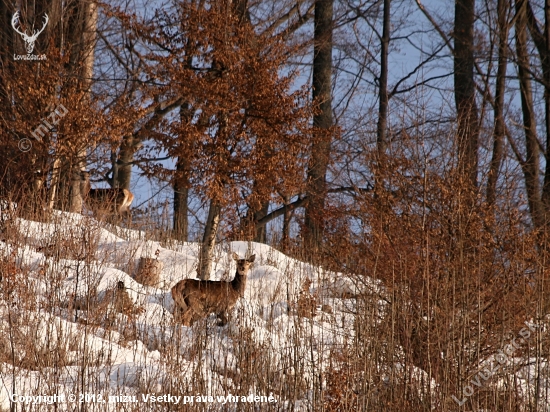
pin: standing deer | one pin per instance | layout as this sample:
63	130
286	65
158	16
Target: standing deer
106	202
195	299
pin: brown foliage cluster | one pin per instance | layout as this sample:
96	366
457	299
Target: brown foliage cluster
242	129
458	275
35	95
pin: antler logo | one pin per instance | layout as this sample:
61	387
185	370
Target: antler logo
29	40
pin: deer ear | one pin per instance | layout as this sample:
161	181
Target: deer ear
251	258
235	256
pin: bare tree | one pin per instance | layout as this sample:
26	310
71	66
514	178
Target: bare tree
83	32
503	27
381	130
531	163
322	123
465	89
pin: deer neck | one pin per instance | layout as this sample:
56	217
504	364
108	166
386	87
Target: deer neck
239	283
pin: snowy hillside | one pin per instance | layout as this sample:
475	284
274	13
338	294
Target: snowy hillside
79	332
73	337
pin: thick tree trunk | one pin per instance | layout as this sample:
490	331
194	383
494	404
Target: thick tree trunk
499	131
75	196
531	166
322	121
83	34
181	181
209	240
464	89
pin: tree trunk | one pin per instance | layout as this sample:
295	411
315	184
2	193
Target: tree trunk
499	131
322	122
181	198
261	232
209	240
123	166
114	169
464	89
381	137
54	184
83	35
287	217
75	196
181	181
545	60
531	165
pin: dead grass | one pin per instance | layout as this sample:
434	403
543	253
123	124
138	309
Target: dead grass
434	285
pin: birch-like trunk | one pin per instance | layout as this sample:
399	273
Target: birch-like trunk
209	240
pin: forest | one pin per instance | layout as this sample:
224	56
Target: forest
384	161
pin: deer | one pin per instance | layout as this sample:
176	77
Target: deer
196	299
113	201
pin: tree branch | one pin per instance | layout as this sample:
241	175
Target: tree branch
534	29
301	202
159	111
435	25
281	211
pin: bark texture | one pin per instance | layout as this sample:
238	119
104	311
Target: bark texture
322	122
464	88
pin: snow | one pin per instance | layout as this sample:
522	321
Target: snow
128	353
70	338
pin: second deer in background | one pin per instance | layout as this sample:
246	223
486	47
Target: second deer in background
106	202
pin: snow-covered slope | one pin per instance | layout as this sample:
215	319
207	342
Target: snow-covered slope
70	334
70	338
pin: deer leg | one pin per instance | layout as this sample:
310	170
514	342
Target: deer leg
224	318
179	306
182	311
178	312
187	317
195	310
126	217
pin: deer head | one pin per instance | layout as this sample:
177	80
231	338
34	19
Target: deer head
29	40
243	265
